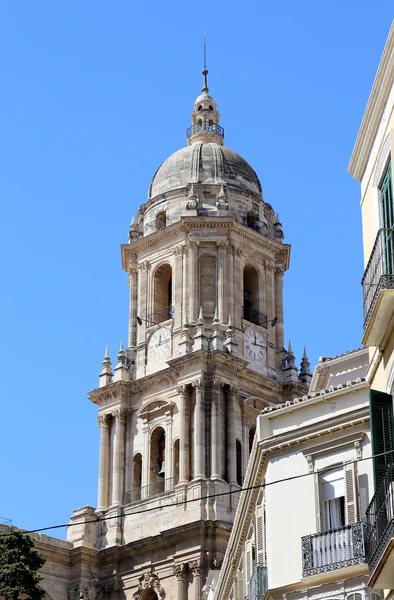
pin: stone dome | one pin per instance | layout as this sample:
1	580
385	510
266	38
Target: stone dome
205	163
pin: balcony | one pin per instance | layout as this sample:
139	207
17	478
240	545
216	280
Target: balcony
378	288
334	549
254	316
160	315
149	491
206	127
258	583
380	532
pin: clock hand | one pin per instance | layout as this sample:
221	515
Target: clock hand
163	342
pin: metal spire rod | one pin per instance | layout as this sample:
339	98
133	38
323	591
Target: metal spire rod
205	72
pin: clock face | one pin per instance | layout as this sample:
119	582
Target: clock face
159	344
254	344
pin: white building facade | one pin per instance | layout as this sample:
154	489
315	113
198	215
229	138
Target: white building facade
300	530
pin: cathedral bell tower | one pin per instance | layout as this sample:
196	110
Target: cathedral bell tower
205	354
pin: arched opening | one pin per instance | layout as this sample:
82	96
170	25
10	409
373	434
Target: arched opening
175	468
208	285
161	220
137	478
251	296
149	595
157	461
252	432
163	309
252	221
239	462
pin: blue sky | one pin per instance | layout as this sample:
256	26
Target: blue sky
95	95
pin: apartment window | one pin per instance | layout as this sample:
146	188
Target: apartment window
333	498
354	597
338	497
381	411
386	198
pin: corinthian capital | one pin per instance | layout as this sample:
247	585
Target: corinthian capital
179	571
119	414
103	420
196	566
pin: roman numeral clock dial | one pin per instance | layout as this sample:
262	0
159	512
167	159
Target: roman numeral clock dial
254	344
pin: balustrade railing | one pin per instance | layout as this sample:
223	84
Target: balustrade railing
205	126
160	315
380	517
149	491
258	582
254	316
334	549
379	272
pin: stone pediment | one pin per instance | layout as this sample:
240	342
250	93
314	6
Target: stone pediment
155	408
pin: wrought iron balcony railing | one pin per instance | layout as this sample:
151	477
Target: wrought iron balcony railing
334	549
380	518
254	316
258	583
160	315
379	272
148	491
205	126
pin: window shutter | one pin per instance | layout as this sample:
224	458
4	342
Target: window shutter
381	411
248	565
351	500
260	535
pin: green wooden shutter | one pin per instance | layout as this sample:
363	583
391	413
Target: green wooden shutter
387	219
381	409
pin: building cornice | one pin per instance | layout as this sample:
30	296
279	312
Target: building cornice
373	113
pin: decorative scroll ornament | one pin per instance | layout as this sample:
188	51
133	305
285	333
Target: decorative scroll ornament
148	581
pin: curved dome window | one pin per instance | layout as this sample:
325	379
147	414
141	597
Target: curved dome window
210	107
200	107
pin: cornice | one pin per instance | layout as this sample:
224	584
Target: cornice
119	390
188	225
374	110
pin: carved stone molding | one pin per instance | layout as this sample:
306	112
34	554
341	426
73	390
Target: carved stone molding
233	388
195	567
182	390
148	581
198	384
119	414
222	247
103	420
180	571
178	251
144	266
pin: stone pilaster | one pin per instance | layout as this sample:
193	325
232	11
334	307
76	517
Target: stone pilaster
178	287
279	308
118	457
193	281
104	423
184	442
168	436
231	455
215	431
142	307
222	304
195	566
180	572
230	279
199	431
133	286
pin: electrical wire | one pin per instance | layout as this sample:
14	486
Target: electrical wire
207	497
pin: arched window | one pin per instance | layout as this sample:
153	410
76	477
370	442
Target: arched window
239	462
252	296
163	309
208	285
252	221
175	457
252	433
354	597
157	461
137	475
161	220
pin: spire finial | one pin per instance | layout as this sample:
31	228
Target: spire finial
205	71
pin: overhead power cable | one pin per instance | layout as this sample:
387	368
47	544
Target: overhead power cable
201	498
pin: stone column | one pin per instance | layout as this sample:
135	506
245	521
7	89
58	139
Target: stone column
222	305
232	397
177	300
133	283
180	574
184	441
142	308
145	460
193	281
230	278
238	289
199	431
118	457
215	431
195	567
103	422
279	307
245	442
168	449
185	290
